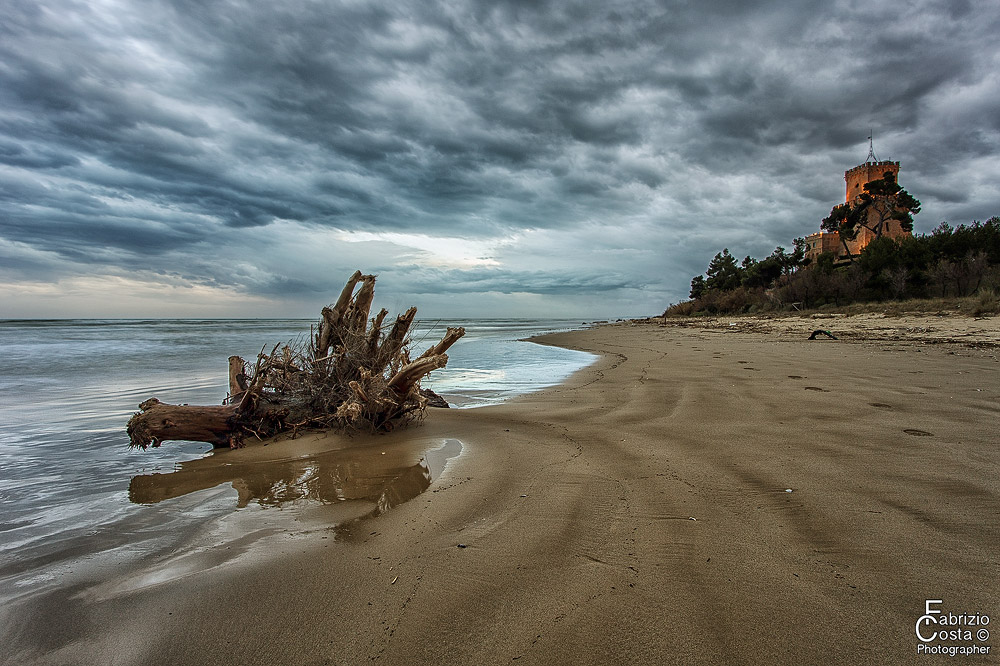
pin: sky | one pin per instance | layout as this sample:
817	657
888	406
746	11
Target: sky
203	158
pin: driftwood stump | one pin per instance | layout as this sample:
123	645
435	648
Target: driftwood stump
350	375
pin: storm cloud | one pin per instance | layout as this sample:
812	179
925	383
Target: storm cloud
484	158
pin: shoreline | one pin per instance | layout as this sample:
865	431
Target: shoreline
922	327
636	513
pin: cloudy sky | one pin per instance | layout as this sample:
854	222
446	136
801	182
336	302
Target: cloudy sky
484	158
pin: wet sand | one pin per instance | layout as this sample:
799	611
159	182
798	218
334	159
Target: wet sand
639	513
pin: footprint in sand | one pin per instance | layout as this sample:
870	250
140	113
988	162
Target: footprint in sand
918	433
816	388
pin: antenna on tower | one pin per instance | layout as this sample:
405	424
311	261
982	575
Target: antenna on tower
871	149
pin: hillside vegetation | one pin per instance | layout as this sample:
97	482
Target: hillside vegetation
958	263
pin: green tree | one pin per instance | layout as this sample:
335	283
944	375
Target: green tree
788	262
762	273
881	261
723	272
882	201
797	257
698	286
881	254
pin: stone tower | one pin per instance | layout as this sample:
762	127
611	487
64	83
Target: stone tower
856	179
865	173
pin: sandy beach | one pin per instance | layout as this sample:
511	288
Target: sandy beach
709	491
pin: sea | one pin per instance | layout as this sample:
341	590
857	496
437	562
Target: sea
76	502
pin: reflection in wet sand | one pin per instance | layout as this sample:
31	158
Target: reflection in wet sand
382	478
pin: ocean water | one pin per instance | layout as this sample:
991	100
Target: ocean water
73	497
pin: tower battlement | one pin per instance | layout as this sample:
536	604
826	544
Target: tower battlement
865	173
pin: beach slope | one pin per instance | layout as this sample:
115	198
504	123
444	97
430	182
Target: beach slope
701	494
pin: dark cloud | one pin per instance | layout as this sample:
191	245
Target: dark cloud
622	143
34	157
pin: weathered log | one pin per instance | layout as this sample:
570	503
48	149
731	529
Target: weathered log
348	375
220	426
159	422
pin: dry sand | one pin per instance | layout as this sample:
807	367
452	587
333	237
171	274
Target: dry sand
638	514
